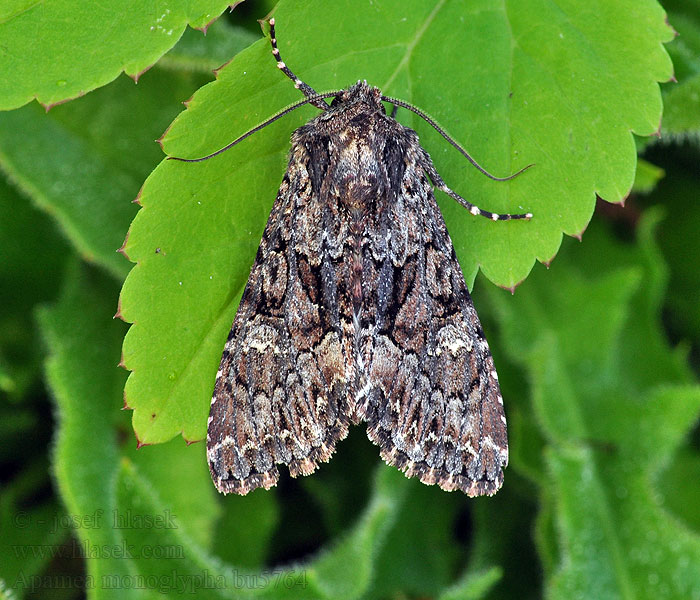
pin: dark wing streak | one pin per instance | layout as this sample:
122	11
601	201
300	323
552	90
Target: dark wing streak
482	440
229	428
317	389
420	411
262	411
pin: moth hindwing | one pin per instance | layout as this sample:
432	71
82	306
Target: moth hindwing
356	310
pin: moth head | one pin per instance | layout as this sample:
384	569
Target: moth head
359	93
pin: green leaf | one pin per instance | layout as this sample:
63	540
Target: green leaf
501	535
473	585
7	382
86	387
682	99
682	118
406	565
84	378
685	467
614	402
165	559
646	177
679	240
251	521
87	177
537	85
204	54
347	570
179	475
32	531
341	488
60	49
33	255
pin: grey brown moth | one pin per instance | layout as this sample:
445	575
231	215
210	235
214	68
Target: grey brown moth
356	310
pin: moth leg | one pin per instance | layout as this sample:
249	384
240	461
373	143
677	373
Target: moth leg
308	91
432	172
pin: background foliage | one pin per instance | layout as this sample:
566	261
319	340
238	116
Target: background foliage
597	354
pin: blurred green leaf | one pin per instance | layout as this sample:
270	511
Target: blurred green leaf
164	556
472	586
87	176
7	383
614	401
79	330
347	571
682	100
244	530
33	255
646	177
681	500
341	488
421	554
81	371
682	115
344	571
204	54
502	537
56	50
179	474
33	533
680	243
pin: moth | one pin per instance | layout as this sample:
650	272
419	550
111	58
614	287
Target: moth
356	310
